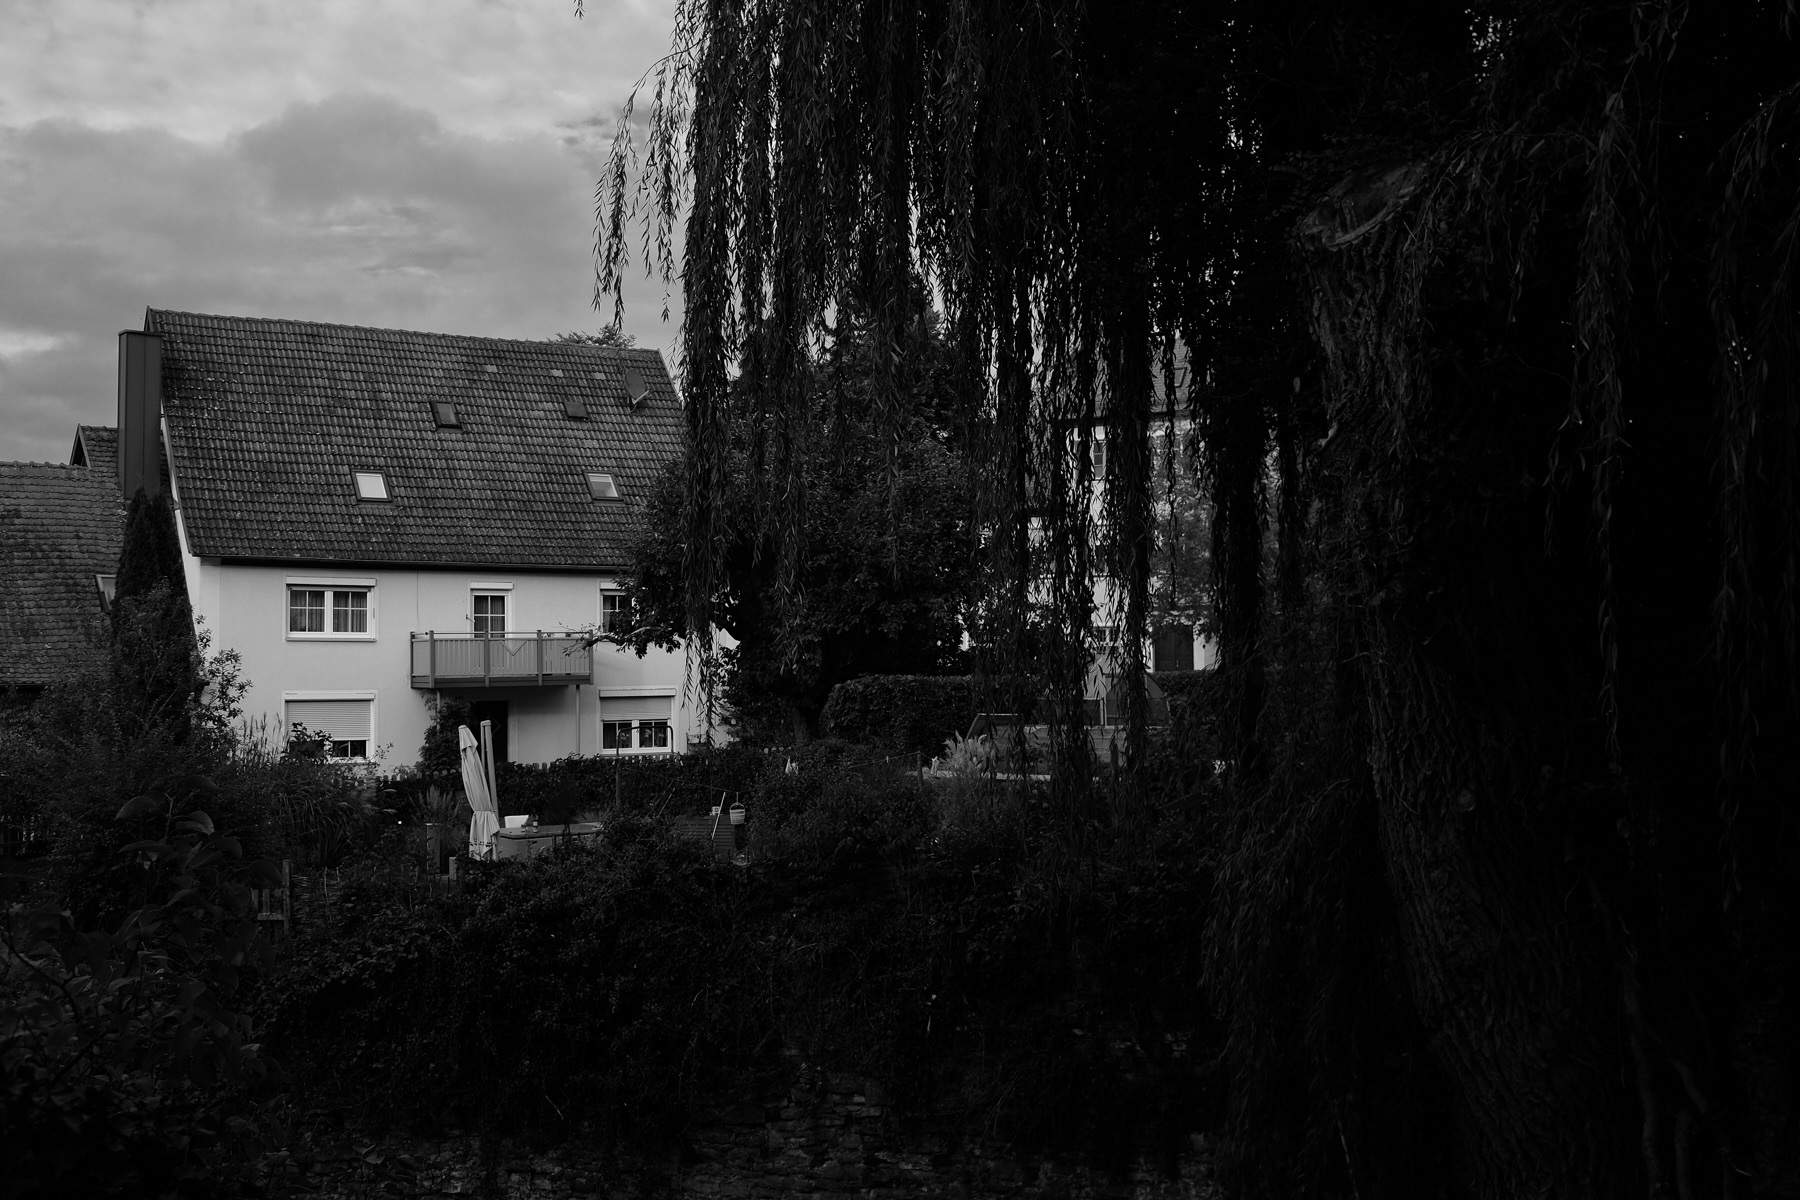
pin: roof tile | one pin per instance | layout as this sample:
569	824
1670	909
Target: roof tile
268	419
60	526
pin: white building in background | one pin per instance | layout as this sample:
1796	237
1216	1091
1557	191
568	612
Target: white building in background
1169	646
372	518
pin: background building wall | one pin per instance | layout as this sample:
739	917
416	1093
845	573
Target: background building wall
245	609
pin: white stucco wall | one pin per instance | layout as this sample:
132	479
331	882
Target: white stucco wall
245	609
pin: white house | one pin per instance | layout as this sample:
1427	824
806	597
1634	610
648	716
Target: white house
1168	647
372	518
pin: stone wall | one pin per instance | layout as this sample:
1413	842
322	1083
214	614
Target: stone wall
823	1135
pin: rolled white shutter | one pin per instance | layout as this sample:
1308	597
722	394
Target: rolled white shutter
636	708
339	720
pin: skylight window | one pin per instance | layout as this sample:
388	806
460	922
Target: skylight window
444	413
371	485
575	407
602	487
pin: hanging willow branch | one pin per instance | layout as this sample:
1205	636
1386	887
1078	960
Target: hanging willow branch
839	150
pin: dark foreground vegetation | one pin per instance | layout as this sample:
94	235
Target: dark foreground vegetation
932	933
1489	324
1478	324
922	933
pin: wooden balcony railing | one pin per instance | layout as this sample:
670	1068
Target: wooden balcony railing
516	660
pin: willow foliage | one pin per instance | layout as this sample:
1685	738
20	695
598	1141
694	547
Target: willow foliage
836	152
1490	316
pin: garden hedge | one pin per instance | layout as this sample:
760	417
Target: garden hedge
901	713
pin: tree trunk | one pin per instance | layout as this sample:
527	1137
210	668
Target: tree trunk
1513	994
802	725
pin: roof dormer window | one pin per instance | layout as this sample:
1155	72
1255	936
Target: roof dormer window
444	413
602	487
371	485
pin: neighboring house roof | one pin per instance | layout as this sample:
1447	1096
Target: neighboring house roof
97	448
60	526
269	419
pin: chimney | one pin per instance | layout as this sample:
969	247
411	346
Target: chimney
140	413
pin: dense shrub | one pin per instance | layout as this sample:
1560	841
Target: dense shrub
588	987
1196	689
440	754
89	744
843	809
924	932
902	713
124	1058
682	783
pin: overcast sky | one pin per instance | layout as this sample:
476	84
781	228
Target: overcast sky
417	164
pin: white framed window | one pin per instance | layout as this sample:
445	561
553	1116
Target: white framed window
108	585
602	486
342	722
615	613
331	609
488	612
372	485
636	724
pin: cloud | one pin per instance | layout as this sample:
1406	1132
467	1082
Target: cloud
206	68
356	208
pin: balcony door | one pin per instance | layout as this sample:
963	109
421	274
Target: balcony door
495	711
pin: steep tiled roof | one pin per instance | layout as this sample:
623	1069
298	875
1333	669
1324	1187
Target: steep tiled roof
268	420
96	448
59	527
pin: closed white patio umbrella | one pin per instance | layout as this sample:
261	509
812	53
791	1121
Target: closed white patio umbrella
481	800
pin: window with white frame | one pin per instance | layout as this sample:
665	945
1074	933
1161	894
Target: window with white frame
636	723
615	613
372	485
325	610
488	612
343	727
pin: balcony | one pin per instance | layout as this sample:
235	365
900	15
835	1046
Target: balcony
462	660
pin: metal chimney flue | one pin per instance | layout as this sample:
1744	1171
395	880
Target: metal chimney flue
140	413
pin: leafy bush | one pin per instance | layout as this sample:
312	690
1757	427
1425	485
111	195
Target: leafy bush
902	713
1197	691
315	811
588	986
90	742
920	931
841	810
440	755
125	1063
684	783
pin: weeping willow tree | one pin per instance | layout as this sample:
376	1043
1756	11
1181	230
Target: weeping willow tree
1493	340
